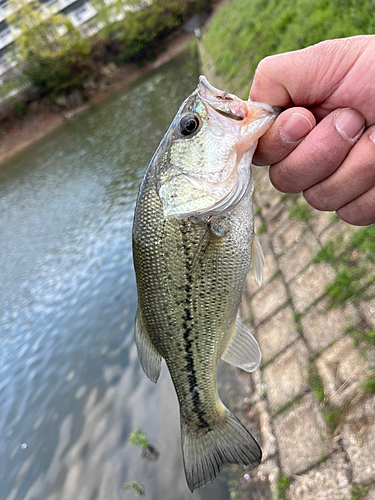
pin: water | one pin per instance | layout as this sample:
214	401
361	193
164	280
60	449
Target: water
71	386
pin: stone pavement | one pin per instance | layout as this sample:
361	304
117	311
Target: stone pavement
313	398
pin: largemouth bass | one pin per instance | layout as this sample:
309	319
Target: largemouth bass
193	243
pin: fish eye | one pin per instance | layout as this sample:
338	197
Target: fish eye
188	124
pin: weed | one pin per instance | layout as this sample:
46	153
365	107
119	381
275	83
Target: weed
138	438
283	484
333	415
267	362
288	406
368	385
138	489
257	211
300	212
358	335
359	492
315	383
276	274
262	228
353	261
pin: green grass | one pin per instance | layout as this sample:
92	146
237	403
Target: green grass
288	406
354	262
301	212
359	334
315	383
262	228
257	211
244	32
368	385
283	484
332	416
359	492
297	321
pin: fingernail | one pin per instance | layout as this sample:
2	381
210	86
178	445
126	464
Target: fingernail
296	127
349	123
372	135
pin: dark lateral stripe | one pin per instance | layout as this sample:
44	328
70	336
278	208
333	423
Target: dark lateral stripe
188	340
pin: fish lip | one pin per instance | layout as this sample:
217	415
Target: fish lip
229	105
222	102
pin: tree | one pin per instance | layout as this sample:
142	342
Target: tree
54	53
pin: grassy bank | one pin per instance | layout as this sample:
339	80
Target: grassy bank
245	31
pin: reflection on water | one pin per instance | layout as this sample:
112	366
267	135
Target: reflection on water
71	386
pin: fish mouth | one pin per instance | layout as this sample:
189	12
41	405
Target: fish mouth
230	105
224	103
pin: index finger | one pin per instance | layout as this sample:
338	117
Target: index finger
288	130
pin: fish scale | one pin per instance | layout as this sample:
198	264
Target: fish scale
191	268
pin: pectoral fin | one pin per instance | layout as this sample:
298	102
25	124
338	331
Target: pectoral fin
243	350
257	260
148	355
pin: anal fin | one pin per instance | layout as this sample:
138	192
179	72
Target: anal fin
148	355
243	350
257	260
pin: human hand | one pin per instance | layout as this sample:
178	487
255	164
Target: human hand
331	84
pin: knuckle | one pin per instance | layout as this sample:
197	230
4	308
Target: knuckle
317	197
283	179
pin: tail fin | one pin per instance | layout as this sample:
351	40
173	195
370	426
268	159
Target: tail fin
206	451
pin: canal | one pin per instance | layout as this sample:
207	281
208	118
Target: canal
71	386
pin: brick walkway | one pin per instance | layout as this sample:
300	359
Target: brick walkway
315	417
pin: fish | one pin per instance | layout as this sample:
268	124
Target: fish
193	244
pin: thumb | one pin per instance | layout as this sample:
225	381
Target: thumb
269	80
307	77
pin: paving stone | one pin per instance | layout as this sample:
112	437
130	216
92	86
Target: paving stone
358	436
322	220
370	494
270	298
310	285
277	333
299	256
329	480
286	377
286	235
368	308
301	437
260	176
268	442
267	474
245	310
342	369
276	215
339	228
251	286
321	326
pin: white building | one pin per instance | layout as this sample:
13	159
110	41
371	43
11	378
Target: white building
80	12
